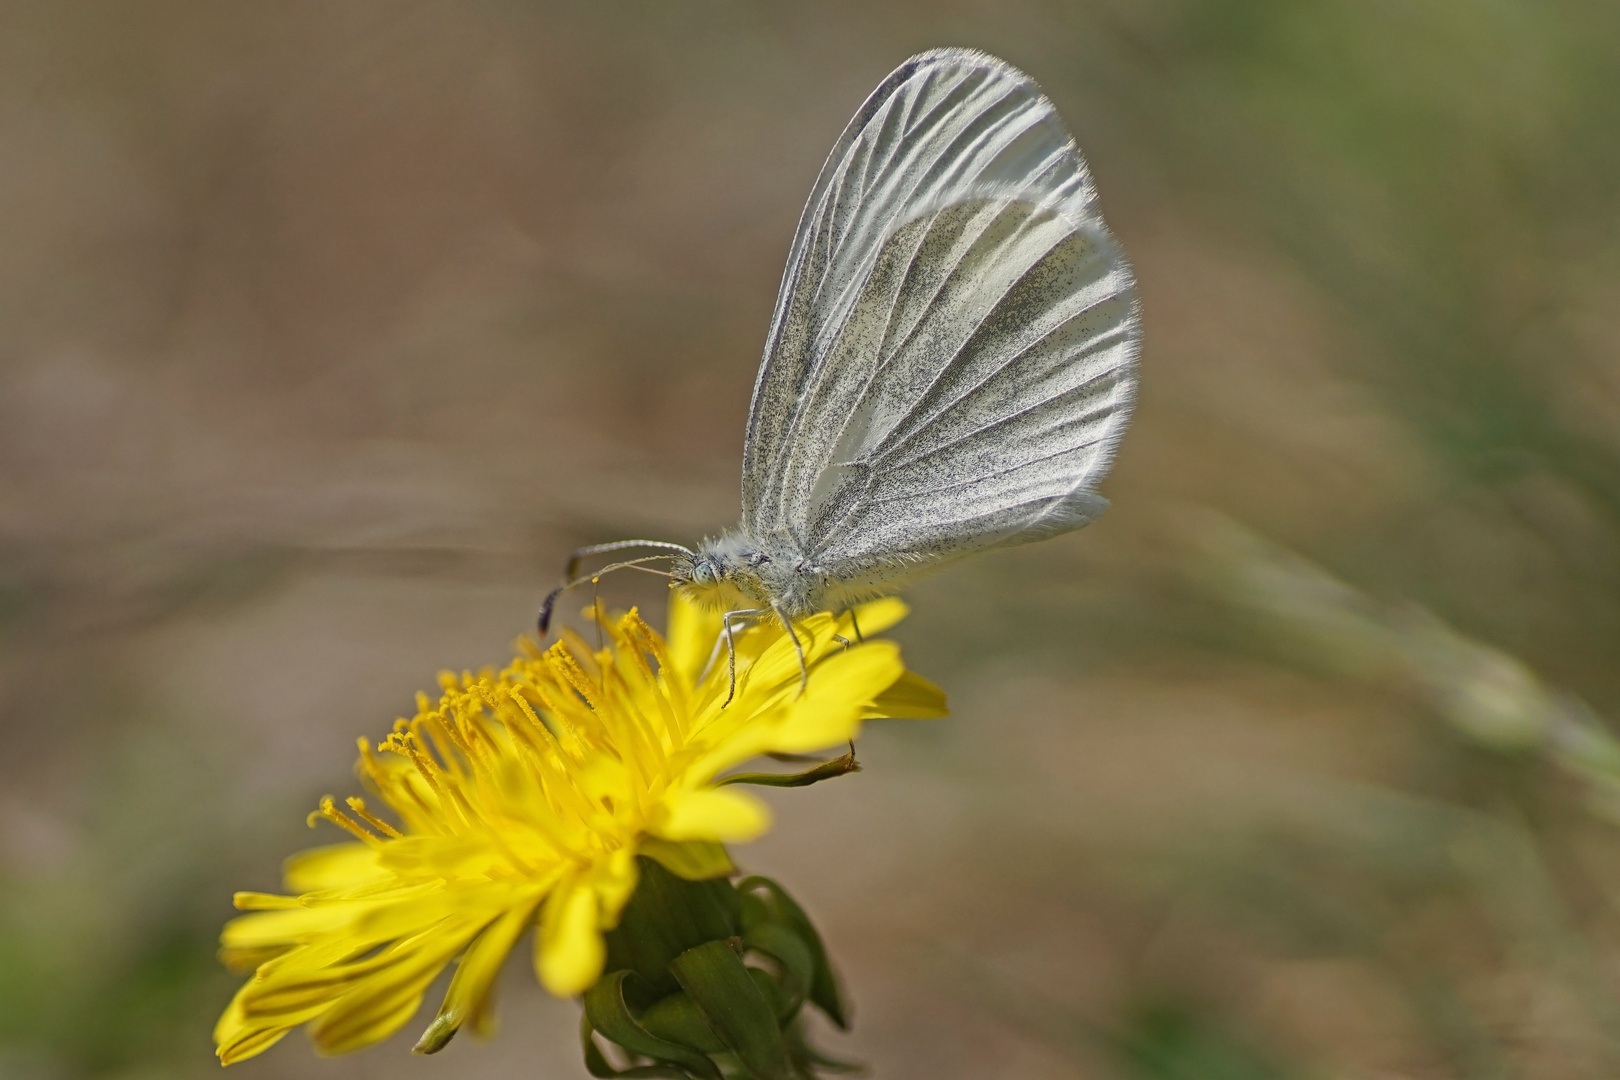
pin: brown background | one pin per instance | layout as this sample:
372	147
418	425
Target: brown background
327	328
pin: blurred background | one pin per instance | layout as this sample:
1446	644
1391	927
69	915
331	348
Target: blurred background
328	328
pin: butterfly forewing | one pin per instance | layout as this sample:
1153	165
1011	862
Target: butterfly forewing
952	359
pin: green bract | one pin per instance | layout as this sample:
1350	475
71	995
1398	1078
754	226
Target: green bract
709	979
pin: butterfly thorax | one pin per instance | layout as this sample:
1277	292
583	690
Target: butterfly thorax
736	571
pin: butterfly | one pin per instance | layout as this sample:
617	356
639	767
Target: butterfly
951	363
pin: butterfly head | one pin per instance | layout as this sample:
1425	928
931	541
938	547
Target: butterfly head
727	573
705	573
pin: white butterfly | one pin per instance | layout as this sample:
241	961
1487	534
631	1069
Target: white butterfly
952	360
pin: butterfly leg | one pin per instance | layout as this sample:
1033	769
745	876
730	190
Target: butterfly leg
804	669
731	648
856	623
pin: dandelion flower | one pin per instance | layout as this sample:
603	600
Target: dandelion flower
524	797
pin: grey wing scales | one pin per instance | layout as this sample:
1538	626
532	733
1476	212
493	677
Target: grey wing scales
953	357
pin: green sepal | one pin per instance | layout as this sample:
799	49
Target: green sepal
678	1019
826	770
736	1008
769	989
825	990
607	1012
438	1034
666	916
793	956
753	910
597	1064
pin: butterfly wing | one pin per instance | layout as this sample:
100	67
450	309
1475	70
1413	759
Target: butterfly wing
952	359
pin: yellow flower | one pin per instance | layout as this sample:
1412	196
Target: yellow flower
524	798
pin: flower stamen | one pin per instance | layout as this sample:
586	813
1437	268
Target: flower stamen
358	805
330	812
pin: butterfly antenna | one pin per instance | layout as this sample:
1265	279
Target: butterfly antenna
543	623
618	545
